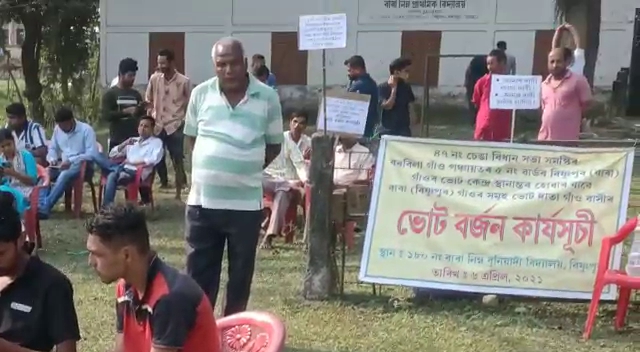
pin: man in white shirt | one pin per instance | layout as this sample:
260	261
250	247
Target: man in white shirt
145	150
578	62
286	174
352	163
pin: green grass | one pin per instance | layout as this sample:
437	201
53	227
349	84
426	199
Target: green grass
359	321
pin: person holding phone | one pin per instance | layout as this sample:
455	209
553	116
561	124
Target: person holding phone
19	170
397	98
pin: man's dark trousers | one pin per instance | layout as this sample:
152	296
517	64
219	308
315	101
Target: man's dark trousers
207	231
174	143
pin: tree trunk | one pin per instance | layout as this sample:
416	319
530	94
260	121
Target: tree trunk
585	17
32	22
320	280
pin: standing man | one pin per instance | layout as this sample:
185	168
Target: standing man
168	94
361	82
258	60
397	100
234	128
565	97
122	104
511	60
476	69
262	73
491	124
29	135
158	308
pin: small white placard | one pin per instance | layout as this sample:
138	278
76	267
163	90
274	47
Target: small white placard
317	32
515	92
346	113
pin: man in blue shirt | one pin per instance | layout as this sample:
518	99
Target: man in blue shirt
361	82
258	60
72	143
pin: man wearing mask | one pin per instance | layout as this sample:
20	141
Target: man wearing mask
361	82
397	99
168	95
122	104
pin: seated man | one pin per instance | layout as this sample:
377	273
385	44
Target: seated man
286	172
158	308
145	150
72	143
37	312
28	135
352	163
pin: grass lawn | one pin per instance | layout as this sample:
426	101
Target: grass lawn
358	322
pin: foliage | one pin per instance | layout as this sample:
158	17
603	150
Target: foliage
59	52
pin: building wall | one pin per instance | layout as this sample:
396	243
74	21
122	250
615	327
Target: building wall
376	32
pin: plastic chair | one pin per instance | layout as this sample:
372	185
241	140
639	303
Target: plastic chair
31	222
606	276
132	188
74	194
291	215
252	332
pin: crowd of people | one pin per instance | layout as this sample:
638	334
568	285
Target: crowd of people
232	125
565	92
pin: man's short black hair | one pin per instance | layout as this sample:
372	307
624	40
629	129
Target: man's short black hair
168	53
356	61
121	225
10	224
150	119
399	64
127	65
16	109
502	45
261	71
258	57
63	114
300	114
499	55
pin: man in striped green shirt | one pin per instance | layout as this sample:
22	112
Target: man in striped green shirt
234	127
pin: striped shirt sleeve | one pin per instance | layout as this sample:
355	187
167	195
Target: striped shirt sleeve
191	119
38	138
274	132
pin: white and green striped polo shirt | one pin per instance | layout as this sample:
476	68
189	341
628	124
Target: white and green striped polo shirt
227	161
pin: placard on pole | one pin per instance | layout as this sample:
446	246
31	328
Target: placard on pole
514	93
322	32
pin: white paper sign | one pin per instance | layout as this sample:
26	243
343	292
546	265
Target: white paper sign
515	92
346	113
317	32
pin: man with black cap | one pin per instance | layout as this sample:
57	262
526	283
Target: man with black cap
122	104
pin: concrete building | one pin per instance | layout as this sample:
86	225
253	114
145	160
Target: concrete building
379	30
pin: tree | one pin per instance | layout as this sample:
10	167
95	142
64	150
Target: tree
59	36
584	15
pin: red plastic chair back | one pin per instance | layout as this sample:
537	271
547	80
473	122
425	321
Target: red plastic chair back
252	332
43	175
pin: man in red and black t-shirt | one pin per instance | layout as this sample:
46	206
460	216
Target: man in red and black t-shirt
158	308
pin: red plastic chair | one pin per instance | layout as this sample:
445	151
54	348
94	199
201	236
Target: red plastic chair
252	332
31	222
132	188
73	195
606	276
290	217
